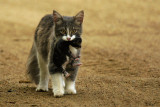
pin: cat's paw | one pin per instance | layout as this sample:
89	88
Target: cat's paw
58	93
70	91
41	88
70	87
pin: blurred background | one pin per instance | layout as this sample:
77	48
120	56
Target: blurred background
120	52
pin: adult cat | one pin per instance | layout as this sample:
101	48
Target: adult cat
51	29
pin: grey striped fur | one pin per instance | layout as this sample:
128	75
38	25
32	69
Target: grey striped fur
44	41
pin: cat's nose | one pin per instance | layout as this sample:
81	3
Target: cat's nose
68	38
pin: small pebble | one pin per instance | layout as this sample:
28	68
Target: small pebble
10	90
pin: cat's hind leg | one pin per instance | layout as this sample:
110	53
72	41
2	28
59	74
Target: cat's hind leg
44	74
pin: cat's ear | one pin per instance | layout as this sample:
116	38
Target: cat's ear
79	18
57	18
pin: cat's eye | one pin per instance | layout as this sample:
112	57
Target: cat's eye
63	31
74	31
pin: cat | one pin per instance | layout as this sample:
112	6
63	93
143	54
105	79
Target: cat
63	53
40	64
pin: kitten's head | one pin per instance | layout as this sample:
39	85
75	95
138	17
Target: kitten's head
76	42
68	28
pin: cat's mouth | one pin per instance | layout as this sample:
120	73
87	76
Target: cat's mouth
68	38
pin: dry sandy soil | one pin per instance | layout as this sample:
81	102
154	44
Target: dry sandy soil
120	54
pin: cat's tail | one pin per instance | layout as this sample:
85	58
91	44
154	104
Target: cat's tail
32	66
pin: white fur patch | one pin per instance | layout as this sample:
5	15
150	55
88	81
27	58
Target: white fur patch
65	64
57	84
73	50
70	87
67	31
44	74
68	36
64	38
73	37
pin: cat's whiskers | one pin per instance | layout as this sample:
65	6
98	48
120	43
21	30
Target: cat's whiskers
73	37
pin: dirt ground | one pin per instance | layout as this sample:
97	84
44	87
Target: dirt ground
120	54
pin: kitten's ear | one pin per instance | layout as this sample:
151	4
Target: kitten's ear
57	18
79	18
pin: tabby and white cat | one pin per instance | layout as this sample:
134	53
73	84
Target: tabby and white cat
40	64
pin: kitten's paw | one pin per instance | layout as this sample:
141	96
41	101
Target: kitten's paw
58	93
70	91
41	89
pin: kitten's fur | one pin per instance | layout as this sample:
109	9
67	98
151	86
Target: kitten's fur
62	53
40	64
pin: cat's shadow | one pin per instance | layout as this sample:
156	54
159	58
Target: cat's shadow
30	91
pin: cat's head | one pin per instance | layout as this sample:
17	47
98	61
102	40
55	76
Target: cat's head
68	28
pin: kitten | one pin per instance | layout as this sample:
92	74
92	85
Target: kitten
63	54
40	64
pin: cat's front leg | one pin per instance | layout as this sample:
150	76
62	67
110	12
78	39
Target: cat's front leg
57	80
57	84
70	81
70	86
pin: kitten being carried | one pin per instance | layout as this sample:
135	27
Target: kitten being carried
63	54
49	55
